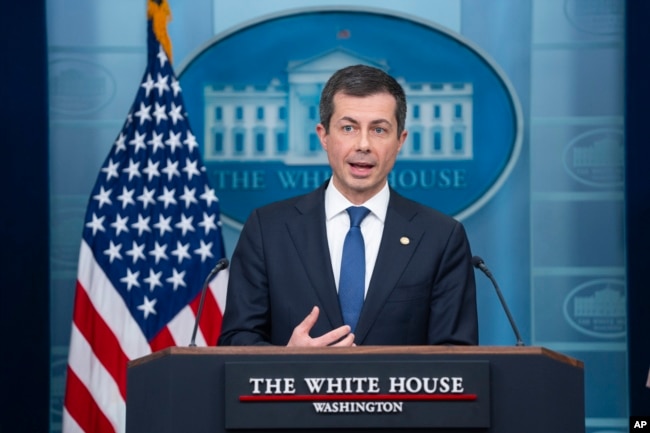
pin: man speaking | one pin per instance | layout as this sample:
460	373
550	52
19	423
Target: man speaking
353	262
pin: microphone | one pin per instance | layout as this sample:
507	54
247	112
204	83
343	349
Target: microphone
480	264
221	265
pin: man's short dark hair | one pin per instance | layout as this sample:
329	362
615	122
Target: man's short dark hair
361	80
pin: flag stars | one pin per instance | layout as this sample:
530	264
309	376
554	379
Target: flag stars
191	168
174	141
130	279
113	252
147	197
153	280
163	225
176	86
208	195
190	141
156	141
163	216
162	56
159	252
160	113
111	170
181	252
143	113
161	84
208	223
126	197
177	279
142	225
171	169
147	85
147	307
133	169
167	197
97	224
175	113
120	225
151	170
103	197
120	143
136	252
189	196
185	224
138	141
204	250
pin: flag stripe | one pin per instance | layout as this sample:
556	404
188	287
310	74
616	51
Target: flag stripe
219	288
110	305
105	346
82	408
162	340
213	319
210	320
181	326
71	424
101	386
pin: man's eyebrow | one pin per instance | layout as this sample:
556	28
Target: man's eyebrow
348	119
373	122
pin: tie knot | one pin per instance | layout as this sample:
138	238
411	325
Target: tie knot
357	214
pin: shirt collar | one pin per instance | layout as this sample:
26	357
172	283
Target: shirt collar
335	202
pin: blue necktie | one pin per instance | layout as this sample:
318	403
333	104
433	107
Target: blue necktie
352	280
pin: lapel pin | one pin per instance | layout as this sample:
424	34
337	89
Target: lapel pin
404	240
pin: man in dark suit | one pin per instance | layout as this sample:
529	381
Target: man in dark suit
417	280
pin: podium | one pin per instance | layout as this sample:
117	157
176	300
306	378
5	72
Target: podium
373	388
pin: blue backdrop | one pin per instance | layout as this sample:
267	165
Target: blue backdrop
555	234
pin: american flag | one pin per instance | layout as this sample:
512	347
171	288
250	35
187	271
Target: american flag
152	235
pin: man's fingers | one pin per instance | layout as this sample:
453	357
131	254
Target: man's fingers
340	336
300	335
347	341
309	321
335	336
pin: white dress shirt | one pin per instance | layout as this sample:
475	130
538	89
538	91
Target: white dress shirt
338	224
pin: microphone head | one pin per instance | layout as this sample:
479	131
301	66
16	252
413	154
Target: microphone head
223	263
477	262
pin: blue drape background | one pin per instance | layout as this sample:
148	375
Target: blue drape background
25	367
637	202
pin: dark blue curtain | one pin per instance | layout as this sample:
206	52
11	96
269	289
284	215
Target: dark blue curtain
24	291
637	201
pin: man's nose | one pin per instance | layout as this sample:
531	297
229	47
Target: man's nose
364	142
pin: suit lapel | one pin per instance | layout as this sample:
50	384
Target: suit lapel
399	241
310	240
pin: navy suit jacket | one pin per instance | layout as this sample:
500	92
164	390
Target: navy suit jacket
422	289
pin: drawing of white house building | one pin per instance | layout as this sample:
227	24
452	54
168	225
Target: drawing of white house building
278	121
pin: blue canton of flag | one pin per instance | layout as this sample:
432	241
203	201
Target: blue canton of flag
153	221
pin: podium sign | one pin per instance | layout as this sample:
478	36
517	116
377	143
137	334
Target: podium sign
349	394
346	390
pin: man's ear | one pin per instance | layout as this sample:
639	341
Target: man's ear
322	135
402	139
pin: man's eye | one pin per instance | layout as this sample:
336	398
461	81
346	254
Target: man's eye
379	130
348	128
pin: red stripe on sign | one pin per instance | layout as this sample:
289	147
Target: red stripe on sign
359	397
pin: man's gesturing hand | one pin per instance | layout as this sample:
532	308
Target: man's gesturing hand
338	337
